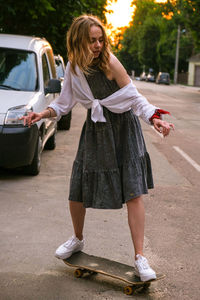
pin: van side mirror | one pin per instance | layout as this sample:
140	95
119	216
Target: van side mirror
54	86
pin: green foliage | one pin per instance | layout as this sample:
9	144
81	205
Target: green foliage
128	54
148	39
151	39
166	47
137	40
191	16
46	18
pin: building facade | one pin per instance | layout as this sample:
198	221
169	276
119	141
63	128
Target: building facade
194	70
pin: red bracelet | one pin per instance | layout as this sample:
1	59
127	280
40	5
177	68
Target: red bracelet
158	113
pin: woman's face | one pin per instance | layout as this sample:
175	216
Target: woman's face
96	40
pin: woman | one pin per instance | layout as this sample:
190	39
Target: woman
112	166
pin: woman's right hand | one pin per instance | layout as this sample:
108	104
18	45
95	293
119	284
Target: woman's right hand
31	118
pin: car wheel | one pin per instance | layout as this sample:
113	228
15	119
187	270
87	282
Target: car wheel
51	142
65	122
34	167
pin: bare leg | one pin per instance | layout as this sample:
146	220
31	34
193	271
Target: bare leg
136	220
78	216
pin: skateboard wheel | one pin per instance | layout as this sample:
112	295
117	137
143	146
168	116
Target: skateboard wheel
78	273
128	290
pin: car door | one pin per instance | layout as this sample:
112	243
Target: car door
47	75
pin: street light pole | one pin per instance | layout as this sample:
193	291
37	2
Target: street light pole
177	54
179	7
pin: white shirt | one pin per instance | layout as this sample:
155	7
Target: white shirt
76	89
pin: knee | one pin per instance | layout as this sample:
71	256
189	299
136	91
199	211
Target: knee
134	201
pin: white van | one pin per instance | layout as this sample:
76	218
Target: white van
27	83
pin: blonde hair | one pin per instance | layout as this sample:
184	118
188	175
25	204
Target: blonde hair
78	41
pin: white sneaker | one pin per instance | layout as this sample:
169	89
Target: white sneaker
69	247
143	269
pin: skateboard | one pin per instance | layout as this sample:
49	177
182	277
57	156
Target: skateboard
85	263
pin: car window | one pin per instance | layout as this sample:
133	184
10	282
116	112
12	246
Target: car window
45	67
59	68
18	70
52	63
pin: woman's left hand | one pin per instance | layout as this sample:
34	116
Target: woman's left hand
162	126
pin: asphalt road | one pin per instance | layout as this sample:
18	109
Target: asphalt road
35	218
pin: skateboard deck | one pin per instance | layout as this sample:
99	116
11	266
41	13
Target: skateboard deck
85	263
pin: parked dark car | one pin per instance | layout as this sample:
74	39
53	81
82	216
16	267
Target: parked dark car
163	78
150	77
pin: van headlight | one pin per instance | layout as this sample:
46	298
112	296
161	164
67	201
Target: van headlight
15	113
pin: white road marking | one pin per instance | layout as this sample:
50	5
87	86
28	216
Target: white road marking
181	152
189	159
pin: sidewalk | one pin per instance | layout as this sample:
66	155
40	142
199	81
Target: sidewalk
191	88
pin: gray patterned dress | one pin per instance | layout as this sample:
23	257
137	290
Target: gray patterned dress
112	165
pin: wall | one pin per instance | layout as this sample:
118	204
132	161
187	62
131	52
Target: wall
191	72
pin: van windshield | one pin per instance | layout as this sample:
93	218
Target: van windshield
18	70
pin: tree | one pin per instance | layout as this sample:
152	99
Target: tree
148	40
46	18
151	38
127	52
191	15
139	43
180	17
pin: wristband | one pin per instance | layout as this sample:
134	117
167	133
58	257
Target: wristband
158	113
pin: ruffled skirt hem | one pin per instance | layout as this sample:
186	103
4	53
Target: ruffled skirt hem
111	188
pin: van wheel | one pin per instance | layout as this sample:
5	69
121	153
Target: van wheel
34	167
65	122
51	142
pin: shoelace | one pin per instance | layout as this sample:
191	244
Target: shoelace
68	243
143	264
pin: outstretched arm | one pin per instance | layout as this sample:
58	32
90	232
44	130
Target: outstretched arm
35	117
61	106
119	74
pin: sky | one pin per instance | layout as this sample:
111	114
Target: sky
122	13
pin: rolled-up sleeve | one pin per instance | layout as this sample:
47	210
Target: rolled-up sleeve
65	102
142	108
